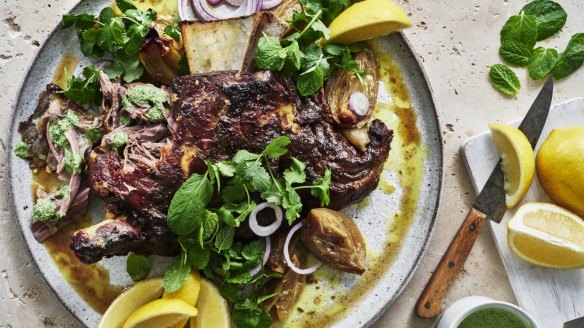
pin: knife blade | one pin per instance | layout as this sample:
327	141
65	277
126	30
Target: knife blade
489	204
576	323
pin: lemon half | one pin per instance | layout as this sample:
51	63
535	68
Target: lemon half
547	235
518	161
366	20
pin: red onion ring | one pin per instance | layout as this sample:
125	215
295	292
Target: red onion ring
205	12
235	3
213	2
269	4
267	251
287	254
264	231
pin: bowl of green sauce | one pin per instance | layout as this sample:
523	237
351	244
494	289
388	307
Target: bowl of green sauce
484	312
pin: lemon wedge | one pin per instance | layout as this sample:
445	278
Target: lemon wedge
518	161
366	20
213	309
189	292
129	301
547	235
560	168
161	313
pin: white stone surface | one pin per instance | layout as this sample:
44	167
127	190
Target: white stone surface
456	41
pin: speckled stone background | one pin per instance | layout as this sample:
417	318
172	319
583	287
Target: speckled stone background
456	41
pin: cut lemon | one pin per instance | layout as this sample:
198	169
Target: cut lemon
129	301
547	235
518	161
560	168
189	292
161	313
213	309
366	20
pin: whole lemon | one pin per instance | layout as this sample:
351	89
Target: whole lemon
560	168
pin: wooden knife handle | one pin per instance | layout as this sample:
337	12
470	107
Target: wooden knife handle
429	304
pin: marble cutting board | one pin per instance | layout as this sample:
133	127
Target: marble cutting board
551	296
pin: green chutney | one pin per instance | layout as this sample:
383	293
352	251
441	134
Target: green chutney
493	318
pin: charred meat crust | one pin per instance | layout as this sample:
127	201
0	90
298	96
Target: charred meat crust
215	115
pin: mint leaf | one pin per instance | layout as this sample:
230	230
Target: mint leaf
504	80
571	59
198	256
521	28
295	174
138	267
310	81
209	225
187	207
515	53
224	238
549	16
270	54
277	147
176	275
124	5
541	63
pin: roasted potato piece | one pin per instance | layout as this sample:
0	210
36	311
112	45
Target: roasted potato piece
343	84
334	239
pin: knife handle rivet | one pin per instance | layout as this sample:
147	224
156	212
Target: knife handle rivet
450	264
427	305
472	227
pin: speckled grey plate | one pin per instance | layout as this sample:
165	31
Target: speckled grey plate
369	307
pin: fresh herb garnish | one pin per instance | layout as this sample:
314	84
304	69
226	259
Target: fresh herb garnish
299	54
86	89
45	210
537	20
206	233
504	80
138	267
119	36
173	30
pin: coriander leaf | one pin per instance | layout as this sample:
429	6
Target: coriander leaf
515	53
521	28
334	49
256	175
320	27
230	291
504	80
226	217
242	278
124	5
173	30
244	155
86	89
176	275
292	203
310	81
320	188
248	314
226	168
187	207
277	147
571	59
198	256
270	54
81	21
549	16
106	15
224	238
235	192
295	174
253	251
541	62
272	196
138	267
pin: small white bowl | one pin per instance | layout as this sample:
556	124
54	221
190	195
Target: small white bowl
459	310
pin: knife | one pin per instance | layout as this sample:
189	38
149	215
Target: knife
489	204
576	323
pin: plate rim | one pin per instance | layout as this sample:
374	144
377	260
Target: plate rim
405	282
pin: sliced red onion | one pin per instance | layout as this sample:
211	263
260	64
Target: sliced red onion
181	10
287	254
205	12
267	251
213	2
359	103
235	3
264	231
269	4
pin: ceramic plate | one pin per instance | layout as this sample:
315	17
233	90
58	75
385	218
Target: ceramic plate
397	219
